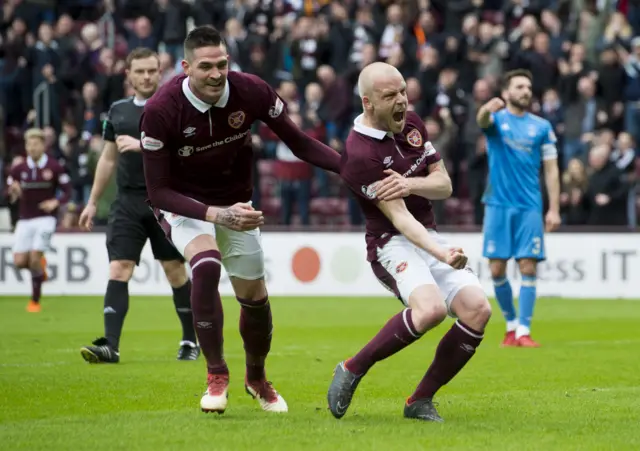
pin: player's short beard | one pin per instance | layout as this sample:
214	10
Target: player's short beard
521	105
379	119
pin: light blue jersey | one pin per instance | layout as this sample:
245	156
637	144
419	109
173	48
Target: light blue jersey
516	148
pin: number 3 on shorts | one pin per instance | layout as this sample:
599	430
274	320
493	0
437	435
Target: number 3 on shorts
537	245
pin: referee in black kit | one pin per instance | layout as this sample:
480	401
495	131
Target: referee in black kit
131	221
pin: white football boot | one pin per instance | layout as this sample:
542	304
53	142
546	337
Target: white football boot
269	399
217	394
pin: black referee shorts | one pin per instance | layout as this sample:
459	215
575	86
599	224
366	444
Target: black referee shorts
131	223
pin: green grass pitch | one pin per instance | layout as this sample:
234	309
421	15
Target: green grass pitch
579	392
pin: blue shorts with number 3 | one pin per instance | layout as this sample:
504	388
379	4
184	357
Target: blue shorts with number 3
513	233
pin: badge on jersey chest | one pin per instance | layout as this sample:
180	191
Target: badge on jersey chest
414	138
47	174
185	151
236	119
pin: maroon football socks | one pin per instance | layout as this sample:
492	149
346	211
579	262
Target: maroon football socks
36	285
207	308
397	334
255	328
454	351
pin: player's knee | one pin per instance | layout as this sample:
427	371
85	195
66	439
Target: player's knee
498	269
251	290
527	267
35	261
175	272
21	260
480	311
121	270
427	315
206	265
427	307
472	307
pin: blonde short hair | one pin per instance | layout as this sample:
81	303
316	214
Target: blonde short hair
34	133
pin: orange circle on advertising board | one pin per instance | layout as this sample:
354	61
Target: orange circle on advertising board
305	264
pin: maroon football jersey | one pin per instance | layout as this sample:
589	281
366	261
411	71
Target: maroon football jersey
39	182
368	152
201	151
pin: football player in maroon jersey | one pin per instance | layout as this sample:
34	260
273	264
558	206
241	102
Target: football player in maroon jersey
395	171
197	153
35	183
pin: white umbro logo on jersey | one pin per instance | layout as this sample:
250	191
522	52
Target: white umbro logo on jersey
388	161
189	131
505	127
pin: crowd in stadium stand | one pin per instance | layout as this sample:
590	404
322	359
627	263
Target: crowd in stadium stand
62	65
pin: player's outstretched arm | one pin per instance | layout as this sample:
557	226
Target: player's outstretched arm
274	114
304	146
484	117
402	219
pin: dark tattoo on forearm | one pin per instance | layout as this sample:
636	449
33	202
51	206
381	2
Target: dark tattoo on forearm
227	217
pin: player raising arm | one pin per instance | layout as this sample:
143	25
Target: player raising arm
406	254
198	166
518	143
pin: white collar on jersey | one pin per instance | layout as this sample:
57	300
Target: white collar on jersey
198	104
42	162
369	131
139	102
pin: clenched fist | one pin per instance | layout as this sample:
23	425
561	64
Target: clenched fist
240	217
494	105
453	257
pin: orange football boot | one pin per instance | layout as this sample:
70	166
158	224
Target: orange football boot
33	307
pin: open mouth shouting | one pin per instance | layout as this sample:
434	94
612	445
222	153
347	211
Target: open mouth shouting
398	119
